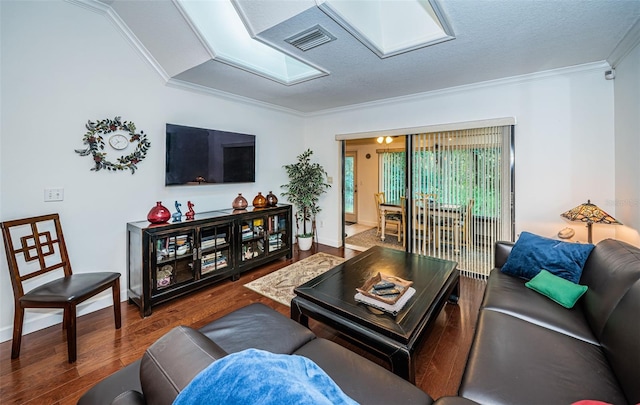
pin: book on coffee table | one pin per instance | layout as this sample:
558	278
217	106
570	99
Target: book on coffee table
393	309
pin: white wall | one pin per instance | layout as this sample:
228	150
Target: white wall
63	65
565	122
627	149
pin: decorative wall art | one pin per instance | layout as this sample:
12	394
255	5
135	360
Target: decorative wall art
99	130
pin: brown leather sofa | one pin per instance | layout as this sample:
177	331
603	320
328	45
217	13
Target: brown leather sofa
526	350
529	350
173	361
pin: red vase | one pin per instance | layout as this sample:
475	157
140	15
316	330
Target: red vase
272	200
259	201
239	203
158	214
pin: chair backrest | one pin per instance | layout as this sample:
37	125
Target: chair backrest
429	196
421	212
379	197
467	217
34	246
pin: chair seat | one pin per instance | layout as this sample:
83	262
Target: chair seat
394	217
70	288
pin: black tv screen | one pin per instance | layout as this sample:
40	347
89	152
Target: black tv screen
208	156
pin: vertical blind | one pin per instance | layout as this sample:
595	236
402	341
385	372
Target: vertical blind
391	164
460	195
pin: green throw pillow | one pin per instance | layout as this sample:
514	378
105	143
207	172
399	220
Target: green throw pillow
562	291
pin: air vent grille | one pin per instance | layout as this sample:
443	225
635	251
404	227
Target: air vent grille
310	38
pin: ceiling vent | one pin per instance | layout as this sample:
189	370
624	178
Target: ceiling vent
310	38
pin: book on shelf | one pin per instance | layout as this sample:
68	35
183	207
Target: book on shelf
212	261
212	243
274	224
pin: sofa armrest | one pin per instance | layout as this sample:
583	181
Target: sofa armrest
129	398
106	391
501	252
173	361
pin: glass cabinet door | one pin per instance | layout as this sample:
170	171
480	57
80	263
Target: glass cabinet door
215	249
174	260
277	232
252	234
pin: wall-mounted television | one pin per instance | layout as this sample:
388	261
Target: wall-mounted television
208	156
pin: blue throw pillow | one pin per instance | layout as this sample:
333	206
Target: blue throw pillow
532	253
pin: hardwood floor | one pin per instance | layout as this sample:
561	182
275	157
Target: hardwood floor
41	375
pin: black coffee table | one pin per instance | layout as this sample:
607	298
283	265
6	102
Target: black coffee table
329	298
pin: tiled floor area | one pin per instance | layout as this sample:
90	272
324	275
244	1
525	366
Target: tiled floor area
351	230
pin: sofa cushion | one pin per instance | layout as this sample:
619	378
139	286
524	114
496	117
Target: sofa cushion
360	378
612	268
532	253
508	294
556	288
513	361
257	326
621	342
172	361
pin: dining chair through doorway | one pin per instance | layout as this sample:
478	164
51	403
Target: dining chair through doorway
462	226
395	219
36	247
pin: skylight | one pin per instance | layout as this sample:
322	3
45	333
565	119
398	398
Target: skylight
227	39
390	27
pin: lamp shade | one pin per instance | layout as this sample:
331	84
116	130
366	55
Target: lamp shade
589	213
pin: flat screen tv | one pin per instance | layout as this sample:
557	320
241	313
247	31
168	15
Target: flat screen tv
208	156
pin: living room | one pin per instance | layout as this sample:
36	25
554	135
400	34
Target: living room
67	62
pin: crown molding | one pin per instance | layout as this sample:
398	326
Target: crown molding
626	45
196	88
598	66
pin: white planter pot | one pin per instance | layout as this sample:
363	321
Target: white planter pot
304	243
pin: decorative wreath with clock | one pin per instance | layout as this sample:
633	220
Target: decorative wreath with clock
94	138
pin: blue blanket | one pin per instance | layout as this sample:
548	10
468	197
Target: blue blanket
258	377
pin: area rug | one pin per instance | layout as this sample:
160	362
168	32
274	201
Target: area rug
279	285
366	239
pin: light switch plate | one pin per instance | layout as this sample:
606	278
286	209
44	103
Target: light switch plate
53	194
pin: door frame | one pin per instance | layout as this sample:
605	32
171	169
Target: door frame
352	217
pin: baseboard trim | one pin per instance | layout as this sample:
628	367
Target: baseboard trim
38	319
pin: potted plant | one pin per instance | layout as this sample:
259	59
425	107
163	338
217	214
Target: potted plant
306	184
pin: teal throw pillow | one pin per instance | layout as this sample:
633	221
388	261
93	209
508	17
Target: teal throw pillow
557	288
533	252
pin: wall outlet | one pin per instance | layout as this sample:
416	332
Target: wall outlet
53	194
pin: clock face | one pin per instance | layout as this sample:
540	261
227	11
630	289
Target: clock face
118	142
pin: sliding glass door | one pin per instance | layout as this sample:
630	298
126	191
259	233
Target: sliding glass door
455	182
461	192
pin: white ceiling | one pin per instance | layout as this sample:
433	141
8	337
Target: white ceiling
493	39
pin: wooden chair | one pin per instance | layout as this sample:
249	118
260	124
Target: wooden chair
34	247
461	226
379	199
424	223
395	219
428	196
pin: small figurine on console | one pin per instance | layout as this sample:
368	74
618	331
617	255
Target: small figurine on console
177	216
191	213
